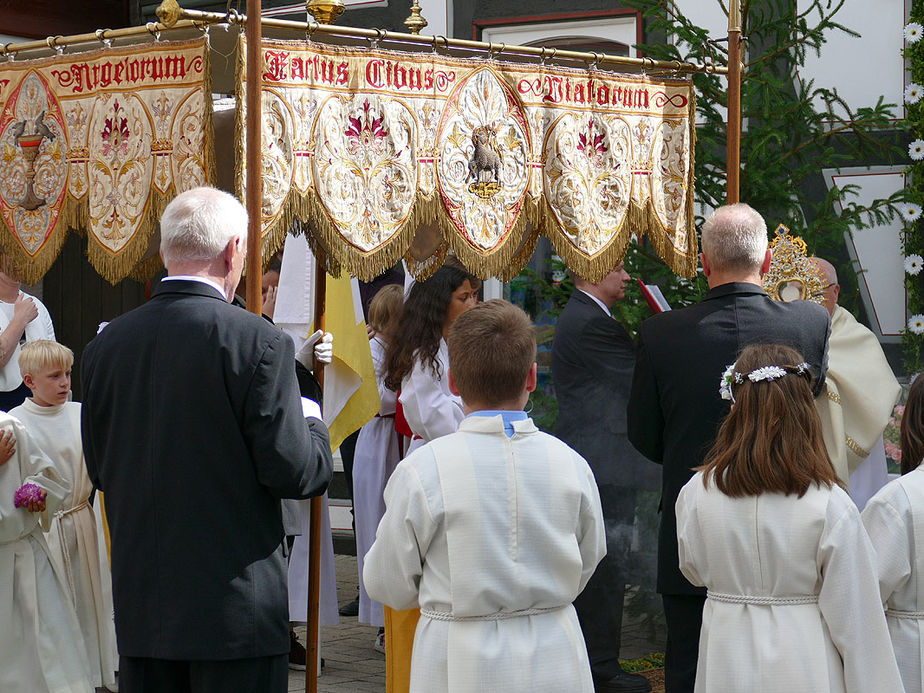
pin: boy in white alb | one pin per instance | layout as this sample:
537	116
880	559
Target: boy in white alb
73	538
492	530
41	649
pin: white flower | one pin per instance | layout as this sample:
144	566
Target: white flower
913	264
913	93
916	324
913	32
766	373
910	212
916	150
725	384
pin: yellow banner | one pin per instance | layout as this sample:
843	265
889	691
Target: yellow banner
368	145
100	142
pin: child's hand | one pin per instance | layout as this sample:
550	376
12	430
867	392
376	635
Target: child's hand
37	505
7	446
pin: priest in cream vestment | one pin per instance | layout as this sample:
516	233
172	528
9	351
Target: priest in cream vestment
860	391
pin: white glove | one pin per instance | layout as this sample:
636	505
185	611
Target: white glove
320	346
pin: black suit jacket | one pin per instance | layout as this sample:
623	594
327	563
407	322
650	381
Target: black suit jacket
192	427
592	362
675	408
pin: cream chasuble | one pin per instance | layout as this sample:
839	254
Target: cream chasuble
860	392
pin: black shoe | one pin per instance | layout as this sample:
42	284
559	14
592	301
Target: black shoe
623	683
298	659
350	609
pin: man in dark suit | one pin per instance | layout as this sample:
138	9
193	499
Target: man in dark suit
675	408
592	362
194	429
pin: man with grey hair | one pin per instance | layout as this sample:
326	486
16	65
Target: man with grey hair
194	429
675	408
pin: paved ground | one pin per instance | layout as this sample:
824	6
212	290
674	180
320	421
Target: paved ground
351	665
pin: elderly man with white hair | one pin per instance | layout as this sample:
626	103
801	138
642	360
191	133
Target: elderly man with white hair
194	429
675	407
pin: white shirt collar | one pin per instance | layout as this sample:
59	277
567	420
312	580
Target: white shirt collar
202	280
598	302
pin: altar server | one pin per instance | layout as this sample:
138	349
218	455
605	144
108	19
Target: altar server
377	450
792	602
894	518
417	364
492	530
54	424
41	648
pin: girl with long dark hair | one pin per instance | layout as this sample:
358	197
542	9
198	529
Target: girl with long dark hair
792	601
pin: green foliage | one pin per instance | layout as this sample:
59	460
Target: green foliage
912	239
793	130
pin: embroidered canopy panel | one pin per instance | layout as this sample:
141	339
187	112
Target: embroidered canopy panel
367	146
100	142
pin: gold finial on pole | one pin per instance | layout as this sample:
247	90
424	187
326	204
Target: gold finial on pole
416	21
734	16
169	12
325	11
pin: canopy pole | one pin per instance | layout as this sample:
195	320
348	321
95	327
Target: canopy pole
253	195
326	11
312	28
733	139
316	508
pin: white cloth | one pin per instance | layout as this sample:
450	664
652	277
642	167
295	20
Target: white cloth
430	408
894	517
39	327
377	453
41	649
870	476
298	568
195	278
753	551
478	527
72	538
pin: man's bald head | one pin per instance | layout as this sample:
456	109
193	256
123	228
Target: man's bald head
832	290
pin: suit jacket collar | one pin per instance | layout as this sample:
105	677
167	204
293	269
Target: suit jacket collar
586	300
189	288
736	288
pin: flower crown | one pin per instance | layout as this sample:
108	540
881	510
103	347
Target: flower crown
732	377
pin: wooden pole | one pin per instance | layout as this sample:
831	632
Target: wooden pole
733	140
254	161
325	11
316	508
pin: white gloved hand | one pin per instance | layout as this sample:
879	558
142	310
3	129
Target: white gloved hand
318	346
324	350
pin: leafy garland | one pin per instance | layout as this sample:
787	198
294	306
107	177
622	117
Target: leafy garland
913	333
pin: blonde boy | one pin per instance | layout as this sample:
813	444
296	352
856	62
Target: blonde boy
492	531
74	535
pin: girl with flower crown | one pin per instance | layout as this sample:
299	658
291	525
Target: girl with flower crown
792	603
894	518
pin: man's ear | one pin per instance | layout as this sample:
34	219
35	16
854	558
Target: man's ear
227	255
768	258
707	270
452	385
532	379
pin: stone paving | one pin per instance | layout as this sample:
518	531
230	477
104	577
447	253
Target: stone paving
351	665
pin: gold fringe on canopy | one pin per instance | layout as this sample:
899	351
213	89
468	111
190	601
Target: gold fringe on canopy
100	142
